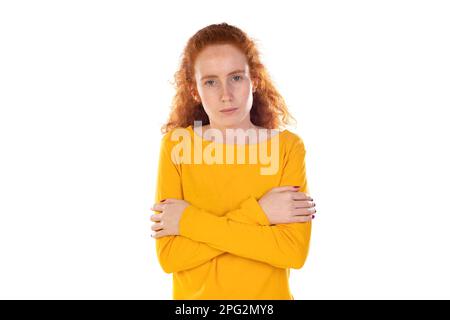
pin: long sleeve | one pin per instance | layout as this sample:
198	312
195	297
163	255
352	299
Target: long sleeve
282	245
177	253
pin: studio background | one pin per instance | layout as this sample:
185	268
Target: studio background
85	87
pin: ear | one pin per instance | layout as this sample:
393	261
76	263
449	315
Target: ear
254	86
194	93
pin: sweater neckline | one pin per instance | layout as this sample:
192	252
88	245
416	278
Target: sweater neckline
204	140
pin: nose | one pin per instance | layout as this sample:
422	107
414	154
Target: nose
226	95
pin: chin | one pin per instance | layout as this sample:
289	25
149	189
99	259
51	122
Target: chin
228	122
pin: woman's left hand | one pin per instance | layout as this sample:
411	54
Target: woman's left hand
167	222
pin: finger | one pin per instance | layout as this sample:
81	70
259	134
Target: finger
163	201
157	226
158	234
301	196
304	204
303	211
155	217
158	207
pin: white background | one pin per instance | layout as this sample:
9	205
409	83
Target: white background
85	87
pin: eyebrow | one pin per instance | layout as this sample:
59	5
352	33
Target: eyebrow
214	76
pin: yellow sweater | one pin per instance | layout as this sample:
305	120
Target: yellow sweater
227	249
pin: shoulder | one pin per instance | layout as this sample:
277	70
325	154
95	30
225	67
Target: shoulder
172	137
293	140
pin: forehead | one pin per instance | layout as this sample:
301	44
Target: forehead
217	60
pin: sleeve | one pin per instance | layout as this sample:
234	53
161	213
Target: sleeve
281	245
177	253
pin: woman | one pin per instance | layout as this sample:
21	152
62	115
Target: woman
227	228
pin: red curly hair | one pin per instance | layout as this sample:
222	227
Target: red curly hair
269	109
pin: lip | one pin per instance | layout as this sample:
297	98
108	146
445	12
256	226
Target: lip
228	110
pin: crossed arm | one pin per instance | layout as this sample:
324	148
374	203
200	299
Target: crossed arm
244	231
182	252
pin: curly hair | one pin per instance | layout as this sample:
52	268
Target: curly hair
269	109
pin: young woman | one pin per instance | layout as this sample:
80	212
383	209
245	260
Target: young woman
231	218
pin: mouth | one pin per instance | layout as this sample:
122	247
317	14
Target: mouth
228	110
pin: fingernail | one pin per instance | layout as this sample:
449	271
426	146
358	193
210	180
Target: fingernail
313	216
163	200
296	186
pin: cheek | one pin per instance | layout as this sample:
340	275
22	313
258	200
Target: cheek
208	99
209	102
247	94
244	90
206	93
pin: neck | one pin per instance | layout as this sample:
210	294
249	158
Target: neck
223	130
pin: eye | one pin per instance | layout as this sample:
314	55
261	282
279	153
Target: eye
234	77
207	82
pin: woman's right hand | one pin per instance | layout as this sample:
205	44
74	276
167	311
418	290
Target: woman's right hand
287	205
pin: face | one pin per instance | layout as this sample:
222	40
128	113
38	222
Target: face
223	81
